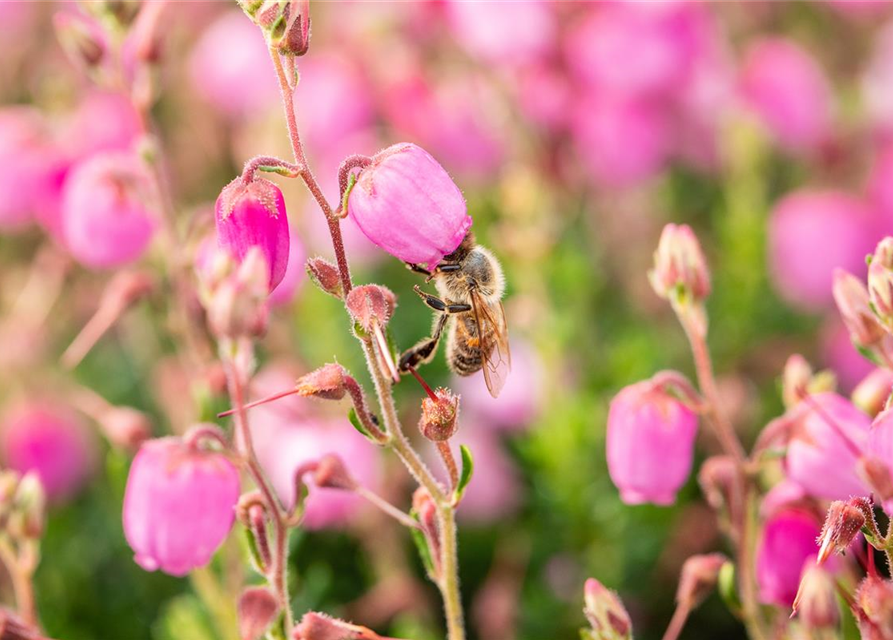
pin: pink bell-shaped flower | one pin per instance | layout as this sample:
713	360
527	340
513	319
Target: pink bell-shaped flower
50	441
789	539
825	447
252	214
108	220
179	505
408	205
650	443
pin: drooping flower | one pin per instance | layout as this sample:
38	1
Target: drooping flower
408	205
108	212
827	442
50	440
179	505
812	233
650	443
252	214
789	539
789	92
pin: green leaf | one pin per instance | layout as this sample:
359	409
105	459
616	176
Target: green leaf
282	171
351	181
253	551
467	472
421	544
355	421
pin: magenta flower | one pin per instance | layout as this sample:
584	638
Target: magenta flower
49	440
179	505
789	92
650	444
231	69
108	219
103	121
409	206
621	142
789	540
825	446
811	233
250	214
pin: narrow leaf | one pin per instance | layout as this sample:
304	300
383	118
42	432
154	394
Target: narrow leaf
467	472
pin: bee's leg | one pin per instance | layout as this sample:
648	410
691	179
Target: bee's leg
418	269
439	305
424	350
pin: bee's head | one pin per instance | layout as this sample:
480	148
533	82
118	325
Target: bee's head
462	250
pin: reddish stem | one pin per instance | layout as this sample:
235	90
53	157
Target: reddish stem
424	384
257	403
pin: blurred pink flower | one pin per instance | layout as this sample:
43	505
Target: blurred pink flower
825	446
650	444
521	399
283	444
179	505
839	354
295	274
657	43
107	216
27	164
789	92
332	101
50	440
880	444
503	33
544	95
231	67
408	205
811	233
783	495
877	81
494	492
103	121
250	215
789	539
622	143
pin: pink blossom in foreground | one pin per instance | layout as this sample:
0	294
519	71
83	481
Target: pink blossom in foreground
811	233
650	444
231	67
504	33
788	540
107	216
409	206
252	214
787	89
26	160
179	505
621	142
521	399
825	446
283	444
51	441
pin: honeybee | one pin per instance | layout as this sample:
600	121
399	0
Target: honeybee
470	285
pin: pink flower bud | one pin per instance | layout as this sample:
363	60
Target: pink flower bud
650	444
816	604
605	612
874	608
812	233
257	610
294	39
125	427
28	515
842	524
108	211
104	121
880	282
332	473
179	505
854	304
720	479
788	90
327	382
371	305
679	265
698	578
440	418
789	539
237	303
318	626
252	214
409	206
50	441
325	275
231	69
826	443
82	39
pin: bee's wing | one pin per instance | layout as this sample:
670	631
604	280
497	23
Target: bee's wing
497	363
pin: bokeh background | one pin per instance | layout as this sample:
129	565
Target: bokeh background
576	131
